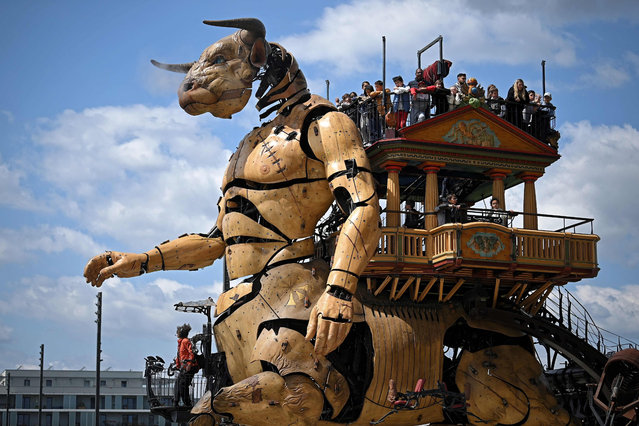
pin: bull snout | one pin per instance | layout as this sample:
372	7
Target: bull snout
192	96
189	85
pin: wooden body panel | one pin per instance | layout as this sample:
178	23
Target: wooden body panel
502	383
288	291
408	343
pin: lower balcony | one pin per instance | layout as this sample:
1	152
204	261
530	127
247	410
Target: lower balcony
486	250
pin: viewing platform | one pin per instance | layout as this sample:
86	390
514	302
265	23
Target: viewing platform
476	155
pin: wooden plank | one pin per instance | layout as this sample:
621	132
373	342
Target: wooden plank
521	293
383	285
404	288
538	306
512	290
394	288
369	284
528	301
416	289
454	290
430	285
496	292
441	289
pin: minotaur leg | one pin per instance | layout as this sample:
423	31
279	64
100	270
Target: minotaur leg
505	385
268	398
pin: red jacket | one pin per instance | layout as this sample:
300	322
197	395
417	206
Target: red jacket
185	357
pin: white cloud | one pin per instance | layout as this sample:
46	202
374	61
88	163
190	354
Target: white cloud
12	191
633	60
348	37
605	75
158	81
18	245
8	115
138	174
597	177
5	333
614	309
138	318
127	304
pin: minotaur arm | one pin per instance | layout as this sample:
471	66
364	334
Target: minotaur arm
187	252
337	143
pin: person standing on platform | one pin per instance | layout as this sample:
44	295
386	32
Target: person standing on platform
187	365
401	101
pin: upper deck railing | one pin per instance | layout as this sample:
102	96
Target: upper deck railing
547	222
536	120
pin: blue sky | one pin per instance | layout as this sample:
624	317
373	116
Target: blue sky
96	154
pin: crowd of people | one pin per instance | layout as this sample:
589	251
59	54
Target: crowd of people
378	108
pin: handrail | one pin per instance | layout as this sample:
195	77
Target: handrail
485	212
562	308
439	40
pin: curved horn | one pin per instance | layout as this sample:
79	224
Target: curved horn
252	25
181	68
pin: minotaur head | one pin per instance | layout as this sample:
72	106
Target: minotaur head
220	81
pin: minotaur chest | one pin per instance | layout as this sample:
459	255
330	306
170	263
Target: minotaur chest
271	155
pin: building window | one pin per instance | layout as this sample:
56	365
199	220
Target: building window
49	403
123	383
129	403
26	402
49	383
87	383
102	382
27	382
48	420
129	419
23	420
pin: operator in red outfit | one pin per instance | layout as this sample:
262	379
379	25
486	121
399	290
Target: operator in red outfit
187	365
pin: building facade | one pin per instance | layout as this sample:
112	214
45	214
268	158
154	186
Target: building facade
69	398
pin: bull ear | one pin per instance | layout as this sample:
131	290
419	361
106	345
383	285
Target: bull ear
259	52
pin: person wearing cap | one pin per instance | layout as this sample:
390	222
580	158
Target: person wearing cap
401	101
546	115
547	106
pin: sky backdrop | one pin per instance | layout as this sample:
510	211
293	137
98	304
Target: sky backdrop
96	154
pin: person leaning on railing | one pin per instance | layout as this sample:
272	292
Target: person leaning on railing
497	214
450	211
414	218
383	105
517	99
420	99
368	121
401	101
495	102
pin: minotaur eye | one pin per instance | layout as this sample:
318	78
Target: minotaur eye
219	60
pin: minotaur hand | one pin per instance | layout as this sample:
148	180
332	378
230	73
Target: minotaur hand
329	323
106	265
